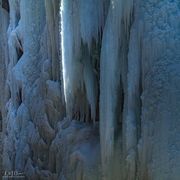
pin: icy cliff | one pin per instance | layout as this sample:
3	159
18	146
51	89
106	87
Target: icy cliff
90	89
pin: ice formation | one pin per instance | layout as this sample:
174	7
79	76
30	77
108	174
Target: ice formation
89	89
82	22
113	77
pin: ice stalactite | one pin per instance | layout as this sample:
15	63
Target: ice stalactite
132	116
81	23
52	17
112	78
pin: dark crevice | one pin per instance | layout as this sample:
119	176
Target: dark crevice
20	97
5	5
98	46
20	50
119	111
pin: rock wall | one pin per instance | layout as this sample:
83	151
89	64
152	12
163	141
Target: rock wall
90	89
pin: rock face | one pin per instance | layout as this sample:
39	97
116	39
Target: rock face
89	89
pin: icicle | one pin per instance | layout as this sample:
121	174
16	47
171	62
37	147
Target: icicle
70	47
127	12
91	87
132	114
109	78
81	22
51	18
110	84
91	19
